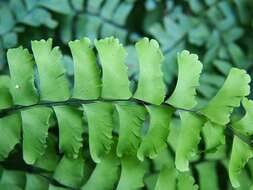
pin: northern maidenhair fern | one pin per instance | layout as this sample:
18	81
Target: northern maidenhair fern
106	128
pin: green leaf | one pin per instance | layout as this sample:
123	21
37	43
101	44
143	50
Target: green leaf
70	129
10	40
10	129
189	138
123	10
223	66
52	187
241	153
67	62
70	172
65	27
59	6
4	186
244	125
155	140
21	68
199	35
52	80
208	178
167	179
77	4
87	25
37	17
173	138
237	55
151	87
105	175
186	182
115	83
7	19
189	69
131	118
35	125
229	96
132	173
164	159
85	70
6	99
13	177
35	181
100	126
213	135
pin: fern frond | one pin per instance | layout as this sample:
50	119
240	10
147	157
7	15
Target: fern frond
100	121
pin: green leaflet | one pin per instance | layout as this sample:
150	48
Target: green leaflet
52	187
5	96
10	129
100	125
167	179
186	182
229	96
151	87
245	181
49	160
21	67
175	128
59	6
4	186
70	129
131	118
87	84
18	180
105	175
213	135
208	179
189	69
244	125
132	173
52	80
35	181
189	138
13	177
170	179
241	153
70	172
164	158
155	139
35	125
115	83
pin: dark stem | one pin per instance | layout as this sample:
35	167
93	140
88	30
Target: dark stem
228	129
